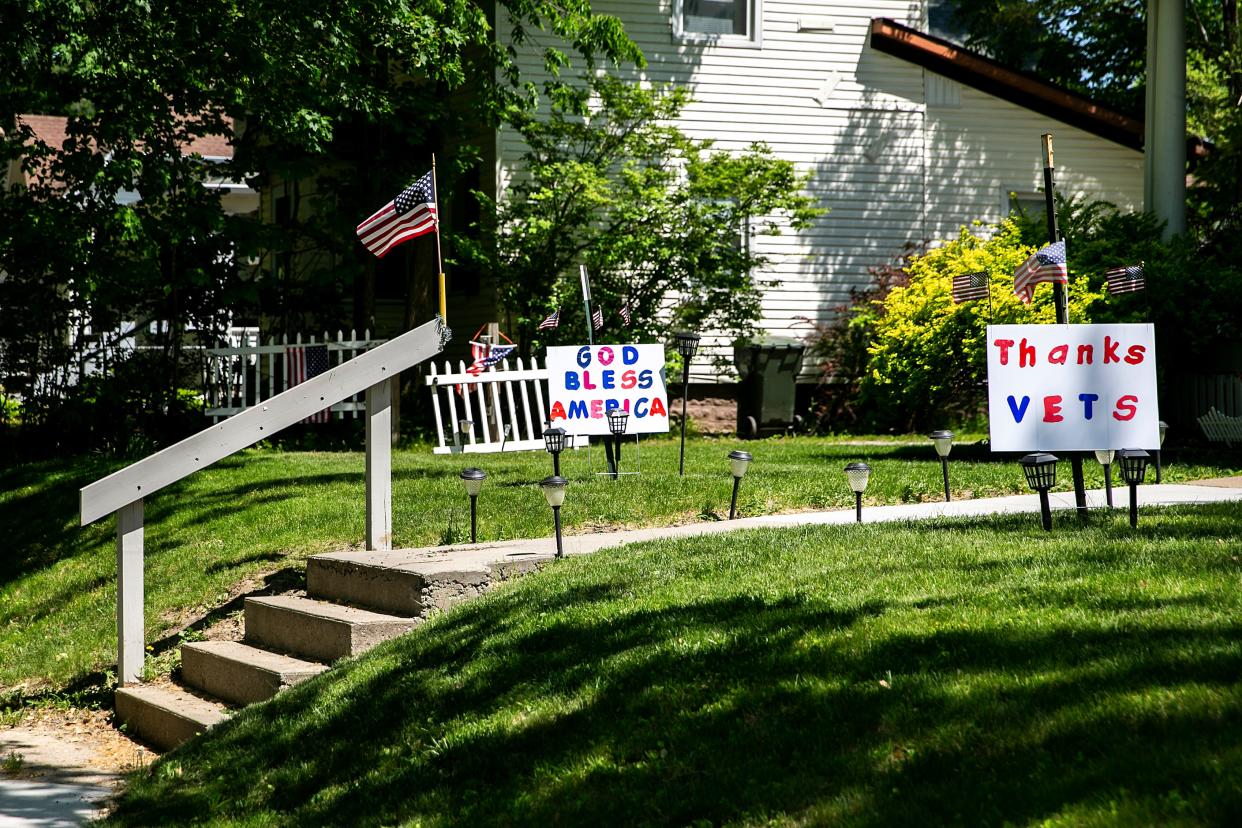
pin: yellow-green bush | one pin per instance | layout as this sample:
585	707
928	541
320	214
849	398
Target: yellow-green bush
926	363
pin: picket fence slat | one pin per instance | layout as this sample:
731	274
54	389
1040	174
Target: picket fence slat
499	423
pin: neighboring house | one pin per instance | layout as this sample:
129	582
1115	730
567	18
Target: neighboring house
237	197
906	136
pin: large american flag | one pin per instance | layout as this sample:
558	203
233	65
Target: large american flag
412	213
968	286
1045	265
304	362
1128	279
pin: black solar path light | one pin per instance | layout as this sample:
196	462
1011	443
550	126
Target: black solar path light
554	492
554	443
943	441
618	418
858	474
1133	464
473	479
687	346
1041	475
739	461
1105	458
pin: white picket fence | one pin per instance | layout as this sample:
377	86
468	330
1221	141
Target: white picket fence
504	406
237	377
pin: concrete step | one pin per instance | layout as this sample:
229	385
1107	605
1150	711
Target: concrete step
240	673
405	582
318	630
165	716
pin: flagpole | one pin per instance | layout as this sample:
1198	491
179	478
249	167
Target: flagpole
586	301
1060	299
439	259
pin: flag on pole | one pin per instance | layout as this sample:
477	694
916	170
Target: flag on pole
969	286
412	213
304	362
1045	265
1128	279
553	320
626	313
597	319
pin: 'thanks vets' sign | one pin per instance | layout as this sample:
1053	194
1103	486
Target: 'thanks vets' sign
1072	387
585	381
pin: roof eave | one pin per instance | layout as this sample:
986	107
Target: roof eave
986	75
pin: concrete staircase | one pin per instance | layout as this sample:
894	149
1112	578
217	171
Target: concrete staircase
353	601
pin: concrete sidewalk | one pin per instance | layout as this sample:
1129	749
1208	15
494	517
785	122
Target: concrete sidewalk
479	557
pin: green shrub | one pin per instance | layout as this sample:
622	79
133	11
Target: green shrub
927	360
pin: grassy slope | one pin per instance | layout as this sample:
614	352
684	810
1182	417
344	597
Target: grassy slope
961	671
264	511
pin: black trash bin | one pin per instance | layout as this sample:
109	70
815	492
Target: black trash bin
769	371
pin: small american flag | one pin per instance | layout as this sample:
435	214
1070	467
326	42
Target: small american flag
553	320
304	362
597	319
499	353
968	286
1045	265
626	314
412	213
1128	279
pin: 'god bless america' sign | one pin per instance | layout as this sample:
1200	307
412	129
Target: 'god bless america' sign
585	381
1072	387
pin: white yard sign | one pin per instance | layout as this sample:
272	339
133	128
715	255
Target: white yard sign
1072	387
585	381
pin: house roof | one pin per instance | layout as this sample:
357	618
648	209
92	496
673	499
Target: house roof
51	130
1021	88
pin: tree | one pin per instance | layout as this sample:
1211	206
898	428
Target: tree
349	96
609	182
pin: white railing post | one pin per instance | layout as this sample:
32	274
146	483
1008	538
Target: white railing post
130	633
379	465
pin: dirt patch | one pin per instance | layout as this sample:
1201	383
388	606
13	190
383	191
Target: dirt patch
69	746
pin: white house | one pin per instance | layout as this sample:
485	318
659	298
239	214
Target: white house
907	136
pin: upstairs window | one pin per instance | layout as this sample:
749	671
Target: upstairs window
736	22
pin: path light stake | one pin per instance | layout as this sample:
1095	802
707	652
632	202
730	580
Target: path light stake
464	428
739	461
687	346
473	479
1105	459
554	492
554	443
858	474
617	419
1041	475
1163	428
943	441
1133	469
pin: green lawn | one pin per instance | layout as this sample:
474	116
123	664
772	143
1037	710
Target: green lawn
260	513
971	671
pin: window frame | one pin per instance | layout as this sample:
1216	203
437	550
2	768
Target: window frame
754	40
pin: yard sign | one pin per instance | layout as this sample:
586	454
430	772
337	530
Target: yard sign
585	381
1072	387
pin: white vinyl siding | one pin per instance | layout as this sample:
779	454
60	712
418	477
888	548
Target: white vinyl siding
900	156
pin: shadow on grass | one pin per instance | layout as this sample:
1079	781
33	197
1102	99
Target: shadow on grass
575	703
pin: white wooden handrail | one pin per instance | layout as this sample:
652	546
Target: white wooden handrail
373	372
